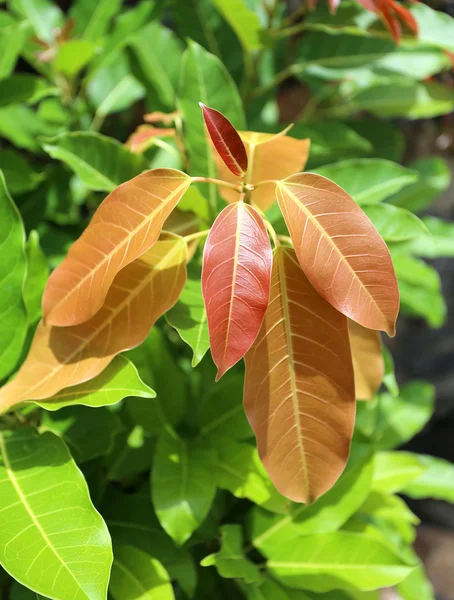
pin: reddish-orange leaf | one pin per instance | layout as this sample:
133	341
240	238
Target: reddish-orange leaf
64	356
144	137
368	364
123	228
299	389
270	157
226	140
340	251
235	282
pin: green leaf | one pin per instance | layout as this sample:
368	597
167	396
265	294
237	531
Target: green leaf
268	589
159	52
416	586
131	455
404	98
434	179
12	39
198	20
193	201
101	162
204	79
73	56
19	592
220	410
240	471
126	25
132	522
439	243
19	174
420	289
183	485
158	369
189	318
243	21
326	515
13	315
118	381
437	481
113	89
22	126
395	224
368	180
330	140
92	21
389	378
37	274
386	139
87	435
434	27
231	561
401	418
136	574
23	87
336	561
44	15
52	539
394	470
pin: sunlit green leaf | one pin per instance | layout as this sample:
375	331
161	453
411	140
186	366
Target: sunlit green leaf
101	162
243	21
395	470
92	21
52	539
395	224
434	27
12	39
44	15
437	481
35	281
416	586
73	56
182	485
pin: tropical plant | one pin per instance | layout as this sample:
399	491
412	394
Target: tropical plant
125	469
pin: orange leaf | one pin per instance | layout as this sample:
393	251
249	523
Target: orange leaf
299	389
235	282
65	356
226	140
124	227
368	364
270	157
144	136
340	251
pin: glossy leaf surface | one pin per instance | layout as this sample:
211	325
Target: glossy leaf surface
123	228
13	315
368	364
299	387
44	526
235	282
119	380
270	156
340	251
63	356
395	470
437	481
226	140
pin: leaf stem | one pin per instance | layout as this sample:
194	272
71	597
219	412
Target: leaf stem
285	238
197	235
233	186
264	182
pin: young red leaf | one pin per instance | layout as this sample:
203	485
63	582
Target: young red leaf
236	275
65	356
226	140
339	250
123	228
299	390
368	363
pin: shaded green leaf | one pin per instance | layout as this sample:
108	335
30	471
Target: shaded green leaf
437	481
395	224
52	541
336	561
386	139
183	486
231	561
92	20
35	281
101	162
368	180
44	15
22	126
394	470
119	380
136	574
13	315
19	174
389	378
19	592
23	87
131	456
12	39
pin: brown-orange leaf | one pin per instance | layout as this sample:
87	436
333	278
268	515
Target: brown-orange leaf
270	157
124	227
340	251
226	140
64	356
235	282
299	389
144	137
368	363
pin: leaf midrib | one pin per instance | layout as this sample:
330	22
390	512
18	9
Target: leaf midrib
22	497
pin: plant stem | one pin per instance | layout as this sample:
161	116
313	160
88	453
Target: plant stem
195	236
286	73
232	186
286	239
264	182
